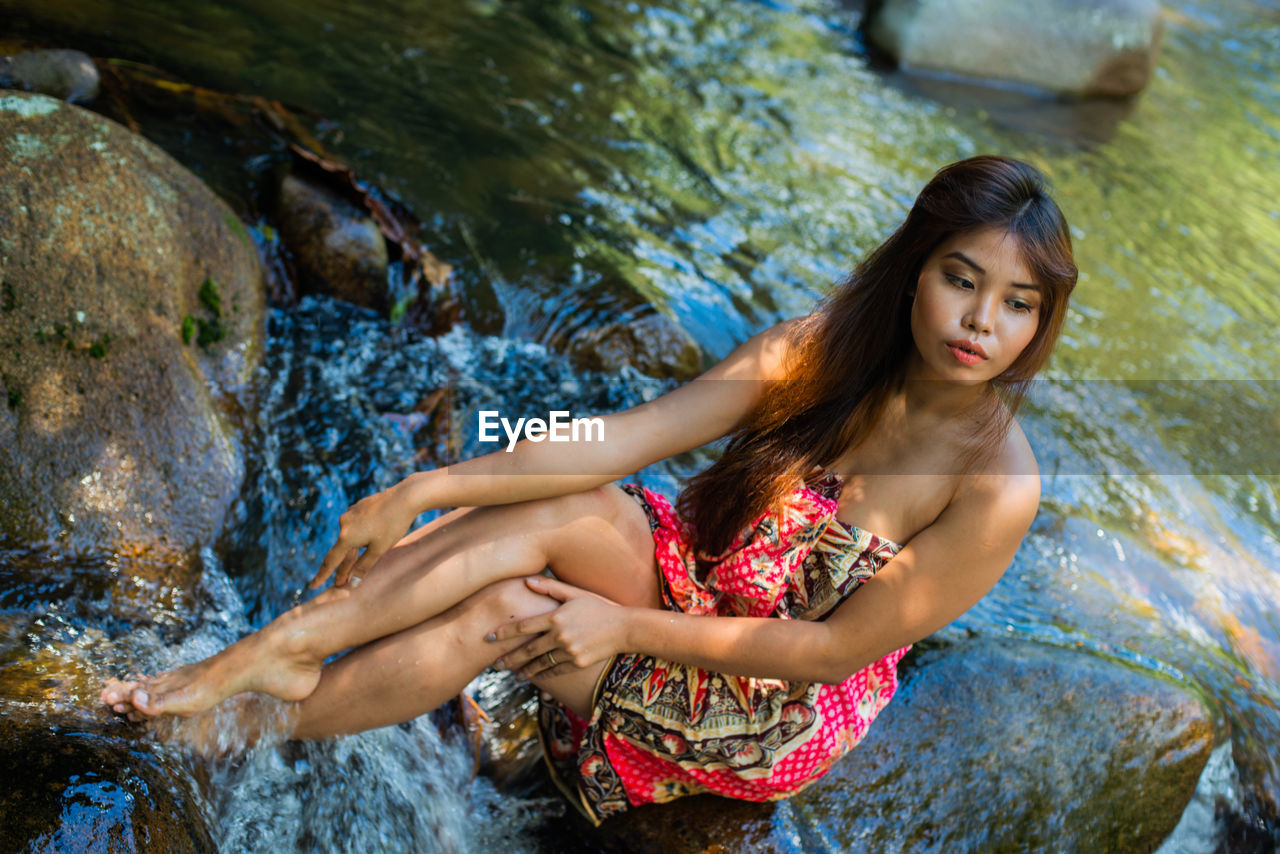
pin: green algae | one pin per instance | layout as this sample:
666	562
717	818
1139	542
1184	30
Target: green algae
210	297
233	222
210	332
206	331
98	349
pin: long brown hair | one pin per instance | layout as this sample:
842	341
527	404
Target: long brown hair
847	358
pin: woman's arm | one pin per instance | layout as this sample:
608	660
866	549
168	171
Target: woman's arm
698	412
939	575
692	415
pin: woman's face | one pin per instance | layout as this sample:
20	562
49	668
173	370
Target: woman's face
976	308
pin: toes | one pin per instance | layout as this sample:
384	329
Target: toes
145	702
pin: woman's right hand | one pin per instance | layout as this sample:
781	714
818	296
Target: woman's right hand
374	523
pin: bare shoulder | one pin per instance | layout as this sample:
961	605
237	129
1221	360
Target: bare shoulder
1008	482
775	348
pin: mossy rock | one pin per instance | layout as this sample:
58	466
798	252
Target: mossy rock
113	429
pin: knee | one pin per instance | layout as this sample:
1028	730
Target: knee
511	599
575	506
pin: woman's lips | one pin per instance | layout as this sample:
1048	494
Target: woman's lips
967	352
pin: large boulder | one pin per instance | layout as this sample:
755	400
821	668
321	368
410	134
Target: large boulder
1073	47
76	787
131	320
987	747
72	776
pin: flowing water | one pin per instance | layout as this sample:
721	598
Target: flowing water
727	162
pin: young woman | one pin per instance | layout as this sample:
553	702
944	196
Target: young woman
722	648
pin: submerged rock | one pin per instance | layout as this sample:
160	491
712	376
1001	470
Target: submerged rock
87	788
652	343
131	320
68	75
338	249
1097	47
987	747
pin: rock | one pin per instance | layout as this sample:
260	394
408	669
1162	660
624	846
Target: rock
1072	47
68	75
89	788
113	429
652	343
987	747
510	752
338	250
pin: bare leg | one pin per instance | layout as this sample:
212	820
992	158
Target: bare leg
598	540
412	672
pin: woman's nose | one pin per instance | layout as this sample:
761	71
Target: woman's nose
978	317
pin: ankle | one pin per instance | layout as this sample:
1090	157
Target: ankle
290	638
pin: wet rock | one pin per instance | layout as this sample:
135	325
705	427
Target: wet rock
1101	47
987	747
652	343
75	787
509	752
338	250
131	320
68	75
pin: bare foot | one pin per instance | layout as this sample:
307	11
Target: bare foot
116	695
251	664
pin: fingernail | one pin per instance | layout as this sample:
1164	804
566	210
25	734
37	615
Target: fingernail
491	637
499	665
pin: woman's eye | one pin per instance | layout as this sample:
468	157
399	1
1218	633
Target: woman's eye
959	281
1019	305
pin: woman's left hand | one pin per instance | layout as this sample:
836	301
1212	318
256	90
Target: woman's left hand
585	629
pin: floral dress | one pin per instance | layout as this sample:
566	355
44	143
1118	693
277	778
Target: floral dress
660	729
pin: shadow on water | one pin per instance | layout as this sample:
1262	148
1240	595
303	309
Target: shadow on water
726	163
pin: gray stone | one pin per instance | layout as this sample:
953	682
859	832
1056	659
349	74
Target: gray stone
68	75
1074	47
113	431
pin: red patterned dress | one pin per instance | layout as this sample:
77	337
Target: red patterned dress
660	730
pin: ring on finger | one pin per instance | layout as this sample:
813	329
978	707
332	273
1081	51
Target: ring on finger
551	659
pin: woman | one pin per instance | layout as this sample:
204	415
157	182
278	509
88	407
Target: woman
719	649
